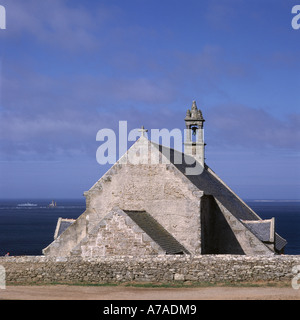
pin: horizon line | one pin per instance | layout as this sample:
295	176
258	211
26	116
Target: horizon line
82	198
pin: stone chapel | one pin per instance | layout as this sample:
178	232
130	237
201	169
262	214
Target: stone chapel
178	205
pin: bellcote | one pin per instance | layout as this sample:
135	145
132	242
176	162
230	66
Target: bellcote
194	116
194	138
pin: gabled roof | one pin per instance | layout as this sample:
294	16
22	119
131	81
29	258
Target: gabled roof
207	182
211	184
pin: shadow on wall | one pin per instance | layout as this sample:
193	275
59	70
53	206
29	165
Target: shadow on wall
216	234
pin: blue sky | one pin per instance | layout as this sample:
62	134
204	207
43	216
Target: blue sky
69	68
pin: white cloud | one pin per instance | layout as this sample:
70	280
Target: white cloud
54	23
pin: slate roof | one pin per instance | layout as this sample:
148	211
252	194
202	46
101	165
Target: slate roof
280	242
211	184
61	226
263	229
156	232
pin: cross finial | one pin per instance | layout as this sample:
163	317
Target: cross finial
143	130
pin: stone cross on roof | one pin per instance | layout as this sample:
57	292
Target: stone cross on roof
143	130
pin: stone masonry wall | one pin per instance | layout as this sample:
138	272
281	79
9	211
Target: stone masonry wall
115	235
206	268
161	190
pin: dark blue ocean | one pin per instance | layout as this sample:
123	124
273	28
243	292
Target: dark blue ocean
27	230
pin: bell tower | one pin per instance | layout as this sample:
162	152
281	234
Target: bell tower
194	139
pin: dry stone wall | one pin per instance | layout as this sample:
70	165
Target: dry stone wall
206	268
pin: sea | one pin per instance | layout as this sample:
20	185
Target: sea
26	230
